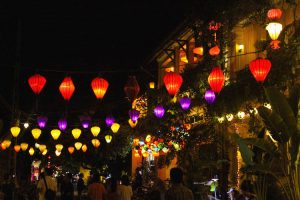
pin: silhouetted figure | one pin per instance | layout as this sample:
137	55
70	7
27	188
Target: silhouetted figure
96	190
80	185
125	190
47	186
112	190
67	188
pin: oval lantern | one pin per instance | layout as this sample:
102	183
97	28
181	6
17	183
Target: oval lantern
6	143
42	121
274	14
62	124
37	83
78	145
134	114
67	88
274	29
59	147
260	68
159	111
15	131
216	79
115	127
44	152
76	132
108	138
185	103
214	51
71	150
36	132
132	88
173	82
109	120
3	147
24	146
84	148
95	130
96	143
17	148
99	86
57	153
55	133
209	96
31	151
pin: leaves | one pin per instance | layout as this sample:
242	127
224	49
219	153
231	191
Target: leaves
246	152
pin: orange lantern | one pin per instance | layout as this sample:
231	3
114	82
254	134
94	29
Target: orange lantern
137	155
99	86
274	14
173	82
17	148
145	154
67	88
216	79
3	146
198	51
37	83
214	51
155	153
84	148
96	143
136	141
71	150
260	69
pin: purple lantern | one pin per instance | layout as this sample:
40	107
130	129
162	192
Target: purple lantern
209	96
159	111
85	121
134	115
62	124
109	120
185	103
42	120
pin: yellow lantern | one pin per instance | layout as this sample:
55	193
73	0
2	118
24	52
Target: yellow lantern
17	148
6	143
42	147
148	138
71	150
78	145
96	143
136	141
155	153
3	147
76	132
59	147
132	124
274	29
151	85
84	148
24	146
57	153
36	132
137	155
44	152
95	130
145	154
198	51
31	151
55	133
115	127
108	138
15	131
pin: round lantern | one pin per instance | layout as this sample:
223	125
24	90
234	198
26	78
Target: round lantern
216	79
274	29
260	69
209	96
17	148
115	127
57	153
59	147
71	150
214	51
76	132
96	143
132	124
42	121
67	88
84	148
42	147
62	124
185	103
134	114
36	132
131	88
55	133
37	83
173	82
108	138
109	120
6	143
78	145
159	111
274	14
99	86
15	131
31	151
95	130
24	146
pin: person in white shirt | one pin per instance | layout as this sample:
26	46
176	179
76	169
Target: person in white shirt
51	184
124	190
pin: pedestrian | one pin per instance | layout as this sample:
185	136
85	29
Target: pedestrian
80	185
47	186
96	190
125	190
67	188
178	191
112	190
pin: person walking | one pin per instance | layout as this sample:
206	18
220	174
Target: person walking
47	186
96	190
178	191
67	188
125	190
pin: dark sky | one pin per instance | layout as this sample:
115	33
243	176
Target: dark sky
85	36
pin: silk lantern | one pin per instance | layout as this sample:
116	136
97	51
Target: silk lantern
36	132
99	86
59	147
260	68
96	143
159	111
78	145
17	148
71	150
214	51
24	146
209	96
31	151
132	124
42	147
15	131
95	130
216	79
274	14
44	152
62	124
132	88
134	114
173	82
108	138
274	29
76	132
109	120
85	121
37	83
115	127
84	148
185	103
67	88
42	121
55	133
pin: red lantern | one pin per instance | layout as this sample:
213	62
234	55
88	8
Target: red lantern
37	83
173	82
214	51
260	68
274	14
67	88
131	88
99	86
216	79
